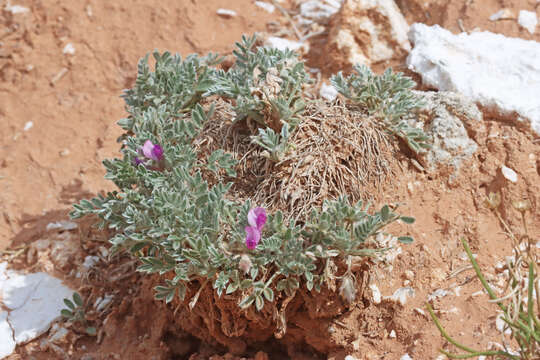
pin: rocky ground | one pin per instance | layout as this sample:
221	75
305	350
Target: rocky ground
63	67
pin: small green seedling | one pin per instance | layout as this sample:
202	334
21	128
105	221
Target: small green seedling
74	313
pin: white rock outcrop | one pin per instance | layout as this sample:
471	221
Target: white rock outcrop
448	119
33	303
7	343
367	31
500	74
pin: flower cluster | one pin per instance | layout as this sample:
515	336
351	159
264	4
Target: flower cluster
150	151
256	221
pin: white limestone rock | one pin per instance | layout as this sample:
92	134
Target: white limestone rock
528	20
7	343
40	309
33	302
448	119
367	31
500	74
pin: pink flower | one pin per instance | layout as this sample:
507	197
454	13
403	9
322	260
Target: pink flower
151	151
256	221
257	218
253	236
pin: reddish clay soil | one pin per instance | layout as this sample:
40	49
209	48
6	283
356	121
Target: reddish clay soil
44	169
74	117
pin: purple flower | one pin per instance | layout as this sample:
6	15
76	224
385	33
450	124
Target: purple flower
151	151
257	218
137	161
253	236
256	221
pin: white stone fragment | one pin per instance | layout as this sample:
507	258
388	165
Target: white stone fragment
445	118
501	325
328	92
502	15
319	11
35	301
58	334
509	174
528	20
16	9
406	357
392	334
28	125
18	288
282	44
376	293
69	49
265	6
89	262
62	225
226	13
350	357
7	343
401	295
437	294
499	73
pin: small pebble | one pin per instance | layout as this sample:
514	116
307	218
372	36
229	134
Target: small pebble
502	14
406	357
265	6
392	334
328	92
401	295
409	275
69	49
226	13
528	20
509	174
28	125
282	44
439	293
376	293
16	9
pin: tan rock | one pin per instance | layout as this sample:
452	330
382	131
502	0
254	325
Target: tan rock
365	32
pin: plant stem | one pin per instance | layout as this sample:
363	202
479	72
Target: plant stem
472	352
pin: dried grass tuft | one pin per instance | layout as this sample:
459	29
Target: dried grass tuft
337	150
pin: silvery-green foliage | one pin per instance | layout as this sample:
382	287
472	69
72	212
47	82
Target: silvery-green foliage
388	96
175	222
266	85
276	145
261	80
